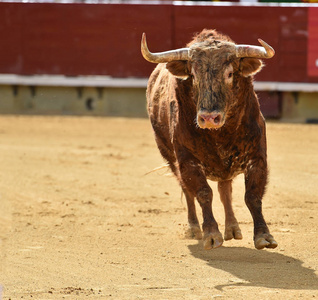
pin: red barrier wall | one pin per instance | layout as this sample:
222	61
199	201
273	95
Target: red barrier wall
104	39
312	59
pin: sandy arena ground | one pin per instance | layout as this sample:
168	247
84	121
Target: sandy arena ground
81	220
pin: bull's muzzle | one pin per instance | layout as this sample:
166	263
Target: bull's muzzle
210	120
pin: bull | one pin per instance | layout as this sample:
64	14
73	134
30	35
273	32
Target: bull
208	125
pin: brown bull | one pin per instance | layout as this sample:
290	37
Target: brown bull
208	125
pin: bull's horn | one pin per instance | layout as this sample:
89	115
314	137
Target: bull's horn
163	57
255	51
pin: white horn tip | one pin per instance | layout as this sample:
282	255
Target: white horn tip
269	50
143	38
144	48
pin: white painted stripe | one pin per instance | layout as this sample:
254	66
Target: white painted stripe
130	82
60	80
285	86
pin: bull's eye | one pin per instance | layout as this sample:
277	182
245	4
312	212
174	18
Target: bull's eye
228	74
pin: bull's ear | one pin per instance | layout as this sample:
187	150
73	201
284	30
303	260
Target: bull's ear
250	66
178	68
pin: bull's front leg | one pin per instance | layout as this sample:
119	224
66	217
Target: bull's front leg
212	237
194	181
255	183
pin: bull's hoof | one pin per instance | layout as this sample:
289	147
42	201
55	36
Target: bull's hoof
194	232
233	232
212	240
264	240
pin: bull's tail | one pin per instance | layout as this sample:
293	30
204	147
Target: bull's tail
164	166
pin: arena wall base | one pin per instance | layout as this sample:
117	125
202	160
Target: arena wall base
51	100
289	106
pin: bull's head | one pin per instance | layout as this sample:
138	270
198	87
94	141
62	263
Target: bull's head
214	68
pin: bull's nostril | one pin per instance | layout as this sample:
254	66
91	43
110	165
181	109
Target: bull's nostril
209	119
201	119
217	119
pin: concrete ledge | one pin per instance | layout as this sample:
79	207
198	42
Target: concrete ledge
106	81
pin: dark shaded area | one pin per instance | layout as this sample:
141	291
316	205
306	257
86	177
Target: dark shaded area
275	270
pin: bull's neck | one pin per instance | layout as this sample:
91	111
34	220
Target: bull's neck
245	107
186	101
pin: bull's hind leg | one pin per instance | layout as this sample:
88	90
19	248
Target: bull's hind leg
168	155
194	226
232	229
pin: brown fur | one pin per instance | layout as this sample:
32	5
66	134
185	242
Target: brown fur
176	92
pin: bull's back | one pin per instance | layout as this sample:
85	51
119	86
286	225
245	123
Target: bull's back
157	97
158	106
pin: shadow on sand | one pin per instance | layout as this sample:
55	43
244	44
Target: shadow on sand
259	268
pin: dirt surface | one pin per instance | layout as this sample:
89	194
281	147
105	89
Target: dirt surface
81	220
